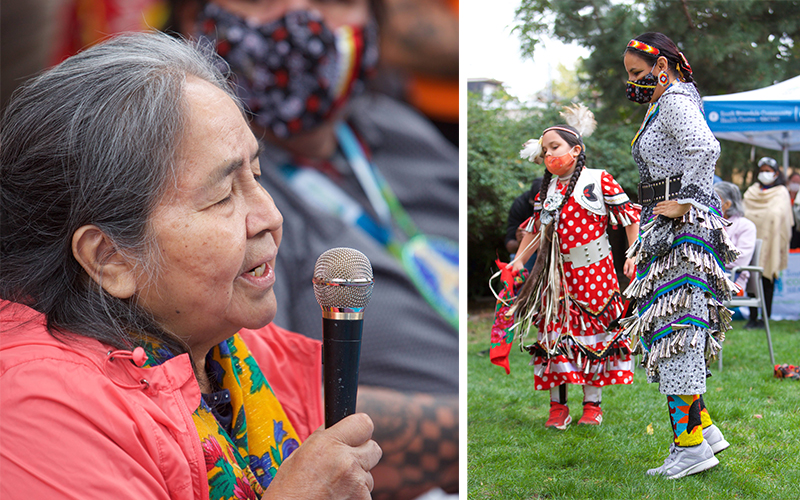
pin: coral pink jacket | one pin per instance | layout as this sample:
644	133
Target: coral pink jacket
77	424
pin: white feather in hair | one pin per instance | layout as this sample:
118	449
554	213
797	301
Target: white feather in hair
580	118
532	150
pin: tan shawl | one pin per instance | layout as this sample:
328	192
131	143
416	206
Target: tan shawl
770	210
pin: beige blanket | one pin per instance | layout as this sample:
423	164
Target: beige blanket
771	211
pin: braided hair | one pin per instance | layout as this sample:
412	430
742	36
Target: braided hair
676	61
547	236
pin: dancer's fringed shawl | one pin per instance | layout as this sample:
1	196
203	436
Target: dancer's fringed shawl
704	283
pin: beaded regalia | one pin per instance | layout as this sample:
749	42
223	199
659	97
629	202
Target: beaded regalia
680	282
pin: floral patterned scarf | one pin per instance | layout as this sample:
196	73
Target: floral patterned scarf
240	465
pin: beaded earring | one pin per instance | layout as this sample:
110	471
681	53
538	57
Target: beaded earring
663	78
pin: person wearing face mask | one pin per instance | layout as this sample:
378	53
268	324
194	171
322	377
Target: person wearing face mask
578	339
349	168
794	188
681	252
793	185
765	204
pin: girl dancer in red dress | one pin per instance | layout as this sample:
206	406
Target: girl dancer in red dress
572	295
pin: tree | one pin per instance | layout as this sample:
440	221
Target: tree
496	175
732	47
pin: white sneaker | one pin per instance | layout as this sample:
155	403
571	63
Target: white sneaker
684	461
715	439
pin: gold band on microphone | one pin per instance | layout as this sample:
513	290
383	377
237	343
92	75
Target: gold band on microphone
342	315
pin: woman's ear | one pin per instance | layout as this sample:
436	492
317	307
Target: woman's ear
103	262
576	150
662	64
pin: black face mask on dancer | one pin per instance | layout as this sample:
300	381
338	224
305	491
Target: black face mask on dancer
641	91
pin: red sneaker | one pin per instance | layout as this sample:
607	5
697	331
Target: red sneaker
559	416
592	414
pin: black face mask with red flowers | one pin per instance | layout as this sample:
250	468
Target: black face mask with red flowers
292	73
642	90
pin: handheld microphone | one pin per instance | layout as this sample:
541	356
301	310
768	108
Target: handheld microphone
343	287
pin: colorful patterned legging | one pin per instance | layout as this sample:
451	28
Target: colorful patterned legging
689	416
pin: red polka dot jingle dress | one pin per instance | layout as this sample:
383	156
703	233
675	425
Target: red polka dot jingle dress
583	351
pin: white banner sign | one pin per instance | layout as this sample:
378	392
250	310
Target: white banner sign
786	301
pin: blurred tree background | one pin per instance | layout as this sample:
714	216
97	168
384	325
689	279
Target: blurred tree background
732	46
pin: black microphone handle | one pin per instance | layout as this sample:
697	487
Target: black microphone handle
341	351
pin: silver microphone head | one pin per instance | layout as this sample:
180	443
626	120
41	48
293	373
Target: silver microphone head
343	283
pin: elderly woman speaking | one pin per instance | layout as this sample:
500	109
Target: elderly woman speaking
137	251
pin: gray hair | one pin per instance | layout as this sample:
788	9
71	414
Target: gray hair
93	141
728	191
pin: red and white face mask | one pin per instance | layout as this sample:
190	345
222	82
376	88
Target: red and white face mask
559	165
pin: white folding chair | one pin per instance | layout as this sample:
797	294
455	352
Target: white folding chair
756	287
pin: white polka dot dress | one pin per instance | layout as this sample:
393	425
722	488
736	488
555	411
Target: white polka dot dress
680	320
588	353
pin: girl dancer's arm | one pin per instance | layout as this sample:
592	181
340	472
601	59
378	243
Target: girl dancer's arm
632	231
528	245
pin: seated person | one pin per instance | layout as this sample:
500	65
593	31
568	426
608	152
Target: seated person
794	188
742	231
419	58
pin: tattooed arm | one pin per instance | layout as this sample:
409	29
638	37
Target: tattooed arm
420	36
419	437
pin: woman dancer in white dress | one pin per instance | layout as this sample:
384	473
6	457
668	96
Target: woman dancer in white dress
680	281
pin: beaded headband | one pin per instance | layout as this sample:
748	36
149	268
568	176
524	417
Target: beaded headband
636	44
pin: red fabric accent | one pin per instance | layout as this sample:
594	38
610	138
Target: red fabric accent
498	355
502	335
616	376
73	406
507	275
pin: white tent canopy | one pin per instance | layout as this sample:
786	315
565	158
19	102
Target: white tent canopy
768	117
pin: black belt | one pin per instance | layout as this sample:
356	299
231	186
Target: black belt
653	192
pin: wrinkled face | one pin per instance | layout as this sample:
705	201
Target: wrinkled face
726	204
217	229
335	12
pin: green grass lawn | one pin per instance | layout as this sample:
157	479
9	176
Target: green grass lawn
512	455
